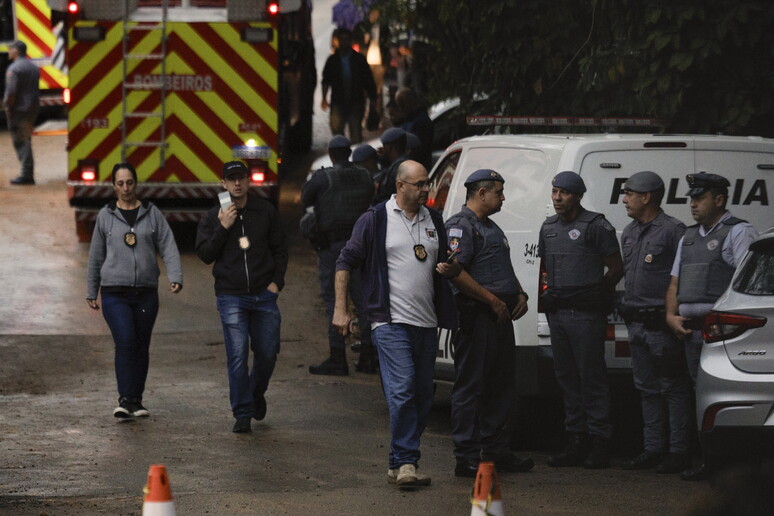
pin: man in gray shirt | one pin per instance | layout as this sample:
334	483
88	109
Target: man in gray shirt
21	103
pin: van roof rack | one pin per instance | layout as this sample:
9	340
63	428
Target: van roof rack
572	121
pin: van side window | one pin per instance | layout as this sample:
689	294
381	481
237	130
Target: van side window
442	179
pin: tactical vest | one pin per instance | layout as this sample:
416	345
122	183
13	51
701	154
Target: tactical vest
491	267
704	275
348	196
572	264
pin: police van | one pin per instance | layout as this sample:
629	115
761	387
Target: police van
604	161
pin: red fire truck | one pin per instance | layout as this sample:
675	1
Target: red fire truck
179	87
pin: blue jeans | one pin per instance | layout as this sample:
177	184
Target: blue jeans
249	322
130	316
406	361
578	346
326	273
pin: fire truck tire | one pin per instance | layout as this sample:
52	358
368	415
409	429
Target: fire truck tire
84	229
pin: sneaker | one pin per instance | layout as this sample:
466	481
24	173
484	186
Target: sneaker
124	409
242	426
408	477
138	410
259	403
392	478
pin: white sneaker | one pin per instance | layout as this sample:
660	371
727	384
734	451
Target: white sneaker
407	476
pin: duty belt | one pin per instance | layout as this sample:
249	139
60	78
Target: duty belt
644	314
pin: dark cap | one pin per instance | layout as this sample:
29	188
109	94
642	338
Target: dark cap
362	153
701	182
339	142
412	141
570	181
392	135
483	174
234	168
21	46
643	182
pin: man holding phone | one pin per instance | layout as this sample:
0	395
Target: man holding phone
489	297
244	237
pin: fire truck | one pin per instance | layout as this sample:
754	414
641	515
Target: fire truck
177	88
42	30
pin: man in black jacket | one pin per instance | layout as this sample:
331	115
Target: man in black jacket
349	78
248	246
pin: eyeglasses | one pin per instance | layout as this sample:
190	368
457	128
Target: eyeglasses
419	184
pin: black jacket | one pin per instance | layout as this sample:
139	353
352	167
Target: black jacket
238	271
362	85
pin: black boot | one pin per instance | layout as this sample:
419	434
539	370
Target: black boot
599	456
336	365
367	362
573	454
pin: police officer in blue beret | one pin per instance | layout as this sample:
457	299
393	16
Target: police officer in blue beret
649	244
706	259
576	246
339	195
394	151
489	297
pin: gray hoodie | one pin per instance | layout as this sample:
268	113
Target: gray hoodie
112	263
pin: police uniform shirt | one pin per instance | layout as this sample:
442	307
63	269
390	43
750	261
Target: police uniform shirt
648	254
734	248
483	251
600	240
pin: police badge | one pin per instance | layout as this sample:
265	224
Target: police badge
420	252
244	243
130	239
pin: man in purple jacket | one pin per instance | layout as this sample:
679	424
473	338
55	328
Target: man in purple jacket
400	247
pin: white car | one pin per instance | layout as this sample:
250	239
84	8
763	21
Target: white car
735	383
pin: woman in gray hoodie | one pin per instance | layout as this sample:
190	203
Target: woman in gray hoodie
123	267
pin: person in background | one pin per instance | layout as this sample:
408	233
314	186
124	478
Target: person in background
649	244
706	258
348	77
365	156
414	119
250	254
394	151
22	102
123	270
339	195
576	246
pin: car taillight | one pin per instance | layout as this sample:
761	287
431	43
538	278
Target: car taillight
723	325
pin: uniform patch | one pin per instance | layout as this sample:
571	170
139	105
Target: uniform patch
712	244
606	225
455	232
431	234
574	234
454	244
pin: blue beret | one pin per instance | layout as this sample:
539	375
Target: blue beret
412	141
569	181
339	142
643	182
483	174
392	134
362	153
232	168
701	182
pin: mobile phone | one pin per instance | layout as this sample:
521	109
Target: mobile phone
225	200
452	256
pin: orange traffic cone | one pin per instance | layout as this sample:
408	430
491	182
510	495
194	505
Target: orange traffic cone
486	500
158	494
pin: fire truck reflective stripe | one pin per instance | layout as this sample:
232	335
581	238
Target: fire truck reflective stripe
34	28
236	83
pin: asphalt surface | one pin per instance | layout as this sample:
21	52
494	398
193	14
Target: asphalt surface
321	450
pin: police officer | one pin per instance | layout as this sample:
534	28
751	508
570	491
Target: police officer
394	151
22	102
576	246
648	245
706	259
339	195
489	296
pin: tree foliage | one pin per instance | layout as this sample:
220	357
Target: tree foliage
706	66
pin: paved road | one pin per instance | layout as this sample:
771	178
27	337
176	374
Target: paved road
321	450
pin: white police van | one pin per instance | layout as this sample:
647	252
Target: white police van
605	161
